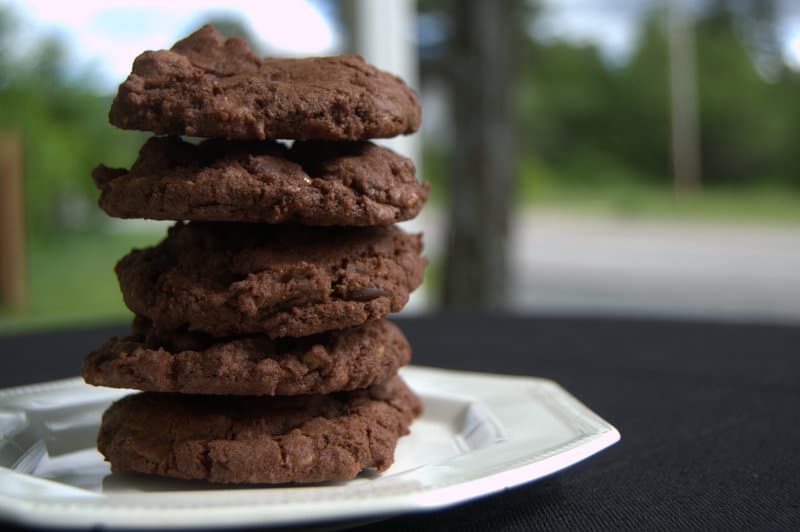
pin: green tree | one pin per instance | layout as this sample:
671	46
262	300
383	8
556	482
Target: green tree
65	133
591	122
747	127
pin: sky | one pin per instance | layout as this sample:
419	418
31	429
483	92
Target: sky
107	35
612	25
104	36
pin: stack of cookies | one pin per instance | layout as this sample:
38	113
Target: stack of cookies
259	340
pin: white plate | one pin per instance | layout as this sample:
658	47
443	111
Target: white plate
480	434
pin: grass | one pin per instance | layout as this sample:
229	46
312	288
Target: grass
71	280
727	205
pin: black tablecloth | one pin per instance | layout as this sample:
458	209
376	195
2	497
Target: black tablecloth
709	415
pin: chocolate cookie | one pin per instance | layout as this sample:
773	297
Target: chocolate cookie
311	183
251	365
306	438
209	86
227	279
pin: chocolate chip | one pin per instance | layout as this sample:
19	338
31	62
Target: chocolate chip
366	293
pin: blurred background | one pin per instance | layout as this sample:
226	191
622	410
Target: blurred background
629	157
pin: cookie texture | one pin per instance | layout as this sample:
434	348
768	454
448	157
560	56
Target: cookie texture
313	183
228	279
209	86
251	365
306	438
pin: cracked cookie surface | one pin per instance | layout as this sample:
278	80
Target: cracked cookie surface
209	86
311	183
329	362
226	439
228	279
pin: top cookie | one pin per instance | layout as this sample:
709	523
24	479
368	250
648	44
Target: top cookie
209	86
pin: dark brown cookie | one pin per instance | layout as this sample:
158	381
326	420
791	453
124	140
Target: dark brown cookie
228	279
237	181
306	438
209	86
251	365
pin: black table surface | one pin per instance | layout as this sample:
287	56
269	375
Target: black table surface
709	415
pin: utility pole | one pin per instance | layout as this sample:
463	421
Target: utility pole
683	100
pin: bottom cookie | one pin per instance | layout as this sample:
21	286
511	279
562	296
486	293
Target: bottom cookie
224	439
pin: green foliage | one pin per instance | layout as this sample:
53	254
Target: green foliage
591	123
748	124
434	169
65	133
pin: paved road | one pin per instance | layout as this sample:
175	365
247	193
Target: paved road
625	266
